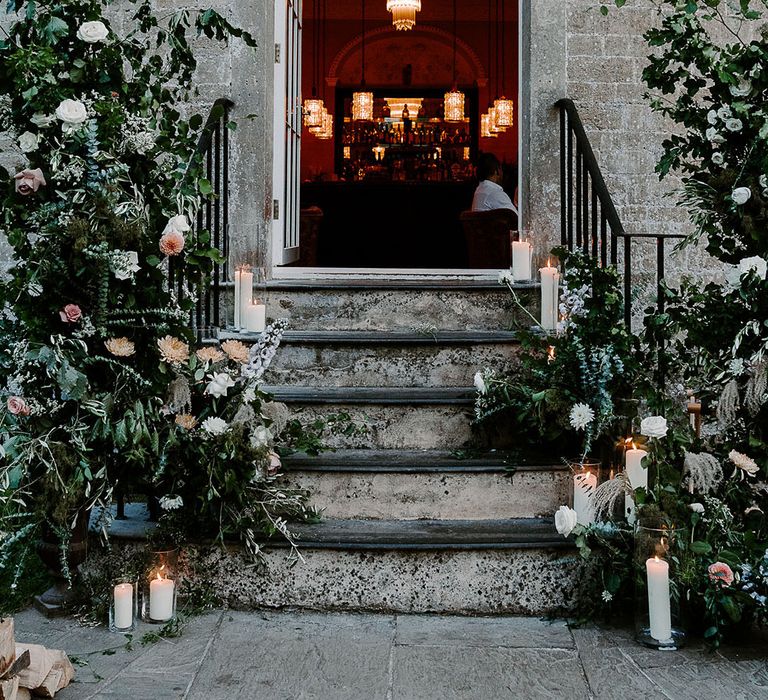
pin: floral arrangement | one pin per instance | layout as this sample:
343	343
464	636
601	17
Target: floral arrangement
100	384
566	385
710	485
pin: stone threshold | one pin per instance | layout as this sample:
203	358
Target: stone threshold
290	285
419	462
313	337
411	396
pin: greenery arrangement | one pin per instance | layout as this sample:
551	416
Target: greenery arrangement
102	386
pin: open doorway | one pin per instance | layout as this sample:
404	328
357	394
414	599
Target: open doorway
389	187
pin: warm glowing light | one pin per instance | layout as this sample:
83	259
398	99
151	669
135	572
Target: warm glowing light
466	153
404	13
379	152
347	152
325	132
397	106
505	112
453	105
493	118
485	127
362	106
551	353
313	113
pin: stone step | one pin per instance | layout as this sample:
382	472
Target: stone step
373	396
381	484
376	358
515	566
399	306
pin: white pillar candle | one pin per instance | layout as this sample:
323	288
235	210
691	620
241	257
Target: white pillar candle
255	319
637	475
245	296
659	611
123	606
161	599
550	281
584	485
236	320
522	253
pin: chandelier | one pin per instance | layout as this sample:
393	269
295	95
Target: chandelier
453	101
313	113
404	13
325	132
362	106
485	127
505	112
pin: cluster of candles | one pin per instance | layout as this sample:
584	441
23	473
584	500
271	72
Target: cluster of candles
159	603
522	268
250	315
656	568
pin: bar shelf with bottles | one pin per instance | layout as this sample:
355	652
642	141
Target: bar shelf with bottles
408	142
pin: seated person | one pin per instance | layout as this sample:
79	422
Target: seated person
489	193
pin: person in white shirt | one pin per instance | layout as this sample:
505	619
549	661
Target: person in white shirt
489	193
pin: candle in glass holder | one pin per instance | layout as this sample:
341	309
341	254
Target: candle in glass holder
161	598
255	319
584	485
660	613
550	281
522	256
637	475
243	293
123	605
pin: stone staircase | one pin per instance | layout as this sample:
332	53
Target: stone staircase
421	512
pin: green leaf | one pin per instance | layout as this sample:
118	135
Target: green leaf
701	547
731	608
55	29
204	186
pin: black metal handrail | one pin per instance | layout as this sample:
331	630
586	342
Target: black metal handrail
588	217
212	154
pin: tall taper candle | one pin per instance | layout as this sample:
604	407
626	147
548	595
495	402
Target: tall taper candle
637	475
550	281
246	293
236	320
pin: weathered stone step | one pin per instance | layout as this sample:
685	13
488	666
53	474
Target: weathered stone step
399	306
412	485
378	358
373	396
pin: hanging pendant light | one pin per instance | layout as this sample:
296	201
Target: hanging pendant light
325	132
362	100
505	108
313	108
404	13
493	121
453	101
485	127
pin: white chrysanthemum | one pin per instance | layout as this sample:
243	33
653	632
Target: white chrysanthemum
581	416
607	596
746	464
712	117
171	502
480	383
734	124
215	425
741	195
718	158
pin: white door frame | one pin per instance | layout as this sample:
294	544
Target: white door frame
280	185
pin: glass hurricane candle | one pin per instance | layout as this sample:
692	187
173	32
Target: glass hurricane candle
586	477
123	604
160	588
657	593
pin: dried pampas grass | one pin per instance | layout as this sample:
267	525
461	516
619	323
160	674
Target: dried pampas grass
728	405
755	393
703	472
608	494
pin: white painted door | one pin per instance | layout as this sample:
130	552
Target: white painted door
287	128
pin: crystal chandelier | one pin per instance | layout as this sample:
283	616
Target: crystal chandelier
453	101
325	132
362	106
505	112
404	13
485	127
313	113
362	101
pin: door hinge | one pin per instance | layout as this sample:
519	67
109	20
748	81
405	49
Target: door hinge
277	53
276	209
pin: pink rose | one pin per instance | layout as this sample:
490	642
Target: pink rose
71	313
18	406
171	243
274	463
29	181
721	573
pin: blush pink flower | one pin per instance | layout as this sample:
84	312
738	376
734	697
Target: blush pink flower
274	463
721	573
29	181
171	243
17	406
71	313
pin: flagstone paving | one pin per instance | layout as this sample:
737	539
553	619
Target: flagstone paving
282	655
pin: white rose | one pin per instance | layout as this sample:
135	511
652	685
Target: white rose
565	520
42	121
260	437
480	383
733	124
92	32
763	180
712	117
717	158
219	384
714	136
741	195
742	89
215	425
177	223
171	502
654	427
72	115
28	142
724	112
697	507
756	264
